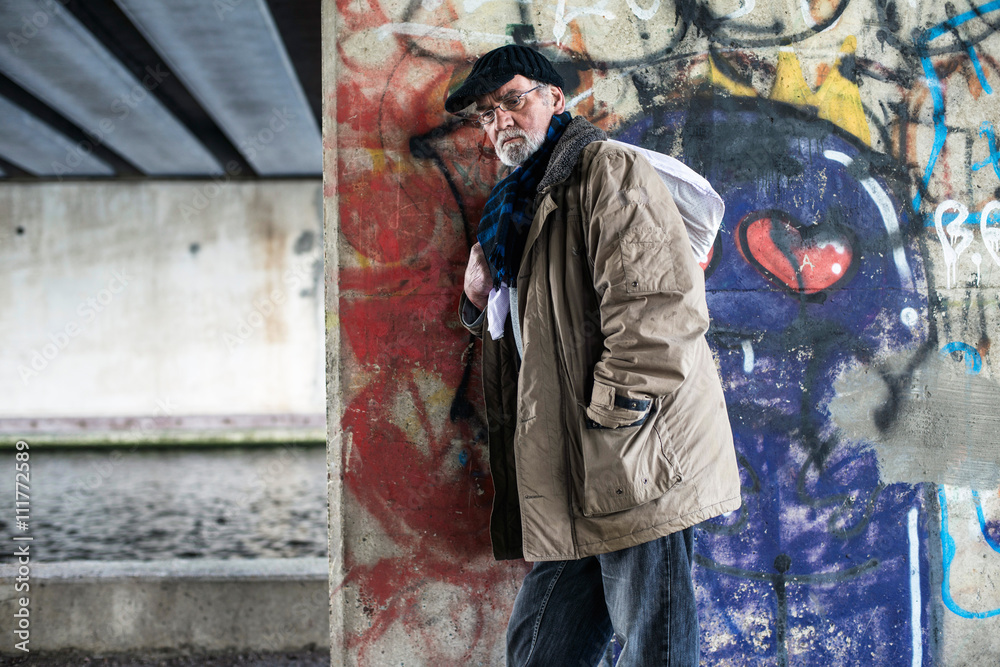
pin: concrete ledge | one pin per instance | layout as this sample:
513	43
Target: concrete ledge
192	605
164	430
269	437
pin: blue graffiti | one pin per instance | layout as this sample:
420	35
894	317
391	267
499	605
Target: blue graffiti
973	362
972	220
986	130
982	522
934	83
817	524
948	555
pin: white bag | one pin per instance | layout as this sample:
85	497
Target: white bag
699	204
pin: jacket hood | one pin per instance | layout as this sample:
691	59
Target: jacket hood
577	135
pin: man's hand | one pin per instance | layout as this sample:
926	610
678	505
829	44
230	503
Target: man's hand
478	281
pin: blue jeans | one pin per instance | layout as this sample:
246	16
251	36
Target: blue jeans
567	612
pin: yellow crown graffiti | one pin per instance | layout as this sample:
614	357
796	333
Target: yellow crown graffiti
837	99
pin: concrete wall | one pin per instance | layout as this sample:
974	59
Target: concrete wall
852	314
186	303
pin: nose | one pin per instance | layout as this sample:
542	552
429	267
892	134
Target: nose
504	119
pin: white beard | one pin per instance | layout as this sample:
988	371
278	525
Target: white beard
515	153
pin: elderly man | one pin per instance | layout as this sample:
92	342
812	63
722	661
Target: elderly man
608	432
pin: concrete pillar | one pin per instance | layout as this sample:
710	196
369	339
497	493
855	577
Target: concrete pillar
853	315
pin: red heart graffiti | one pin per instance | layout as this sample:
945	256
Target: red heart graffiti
711	261
704	264
823	255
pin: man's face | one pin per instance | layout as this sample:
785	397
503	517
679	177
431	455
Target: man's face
515	135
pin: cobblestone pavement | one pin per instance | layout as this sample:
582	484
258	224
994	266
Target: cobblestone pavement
152	659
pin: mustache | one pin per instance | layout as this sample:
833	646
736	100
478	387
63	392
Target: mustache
511	133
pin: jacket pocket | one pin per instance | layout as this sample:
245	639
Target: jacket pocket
623	467
649	261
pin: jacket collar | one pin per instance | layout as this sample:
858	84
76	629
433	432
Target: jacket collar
565	155
567	151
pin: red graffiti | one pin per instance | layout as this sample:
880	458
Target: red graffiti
705	263
802	259
411	185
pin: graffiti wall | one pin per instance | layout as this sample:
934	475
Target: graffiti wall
854	291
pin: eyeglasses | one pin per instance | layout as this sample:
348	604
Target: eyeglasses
508	103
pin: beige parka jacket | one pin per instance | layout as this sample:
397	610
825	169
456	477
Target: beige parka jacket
612	430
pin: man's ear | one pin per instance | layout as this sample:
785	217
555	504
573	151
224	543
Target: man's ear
558	99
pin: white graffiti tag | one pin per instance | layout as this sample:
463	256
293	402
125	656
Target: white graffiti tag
954	238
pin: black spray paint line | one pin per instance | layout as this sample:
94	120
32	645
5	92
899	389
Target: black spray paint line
720	29
779	581
421	149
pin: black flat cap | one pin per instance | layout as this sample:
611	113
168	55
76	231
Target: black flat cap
496	68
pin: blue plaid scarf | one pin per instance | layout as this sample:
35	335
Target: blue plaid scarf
512	200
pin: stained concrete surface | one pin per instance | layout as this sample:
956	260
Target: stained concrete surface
199	606
940	428
176	298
